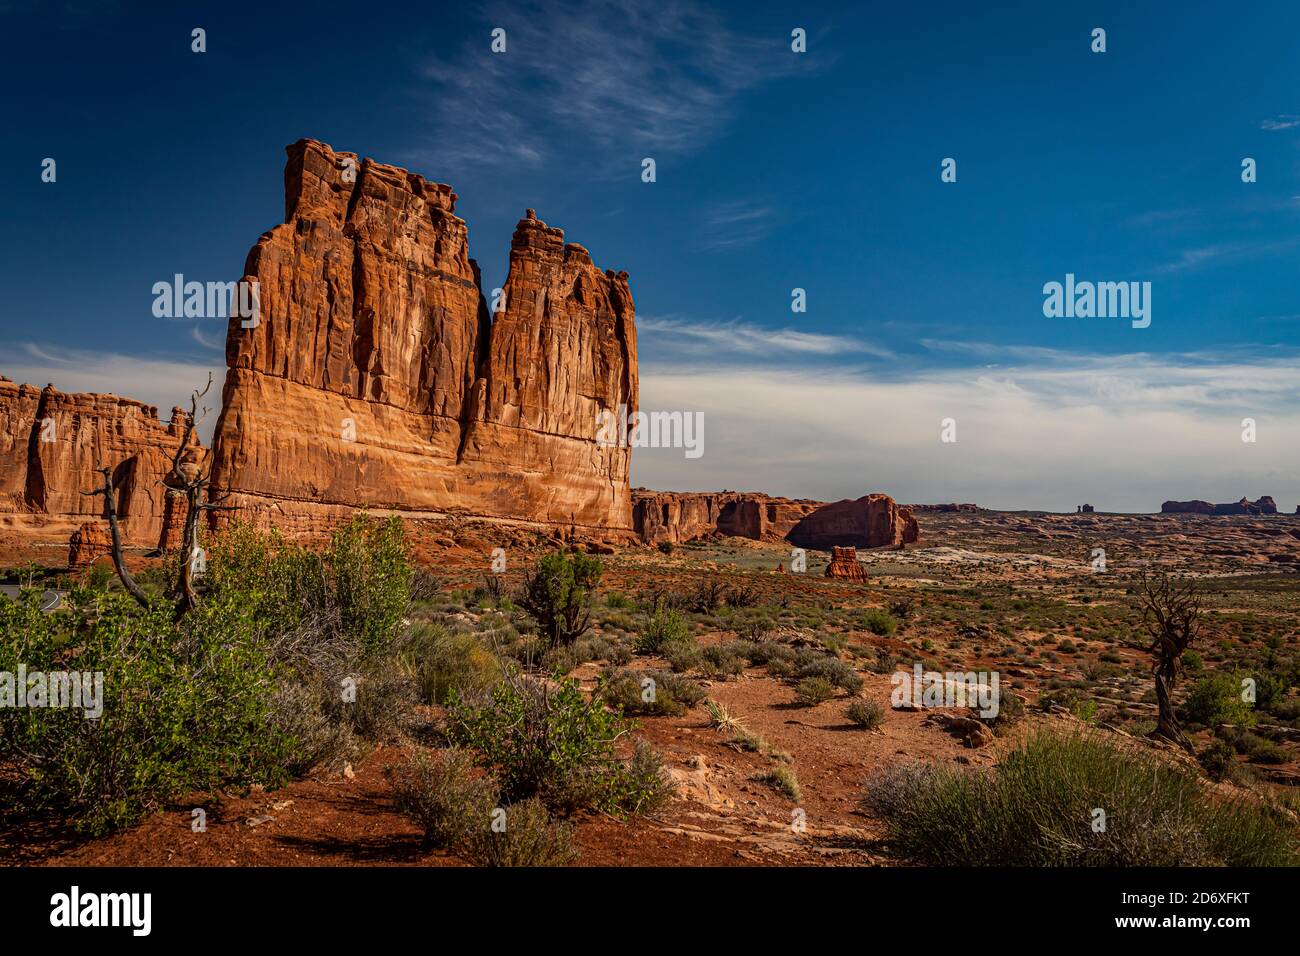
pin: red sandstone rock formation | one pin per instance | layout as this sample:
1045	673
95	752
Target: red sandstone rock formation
870	522
375	375
91	541
845	564
1264	506
52	442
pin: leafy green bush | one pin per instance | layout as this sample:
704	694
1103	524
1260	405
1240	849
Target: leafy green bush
1037	809
186	706
358	587
444	795
1216	699
557	595
879	622
548	741
666	627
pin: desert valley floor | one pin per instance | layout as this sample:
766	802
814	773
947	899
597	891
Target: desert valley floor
1011	592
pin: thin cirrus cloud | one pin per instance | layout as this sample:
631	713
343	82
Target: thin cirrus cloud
675	336
607	76
1280	122
735	223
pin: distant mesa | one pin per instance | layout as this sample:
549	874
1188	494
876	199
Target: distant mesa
921	509
1083	509
1264	506
872	521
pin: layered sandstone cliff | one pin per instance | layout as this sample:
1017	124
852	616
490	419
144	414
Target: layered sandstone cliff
376	377
1265	505
51	444
872	521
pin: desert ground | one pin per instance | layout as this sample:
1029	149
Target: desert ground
764	770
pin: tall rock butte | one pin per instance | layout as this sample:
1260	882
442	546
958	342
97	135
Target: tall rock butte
375	375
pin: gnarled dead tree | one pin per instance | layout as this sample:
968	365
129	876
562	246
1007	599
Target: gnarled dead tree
110	512
1171	613
189	478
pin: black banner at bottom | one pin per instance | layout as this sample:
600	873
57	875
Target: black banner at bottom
347	904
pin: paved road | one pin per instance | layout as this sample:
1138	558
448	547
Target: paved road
50	600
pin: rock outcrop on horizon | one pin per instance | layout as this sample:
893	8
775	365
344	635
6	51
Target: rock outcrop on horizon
872	521
51	444
1265	505
375	375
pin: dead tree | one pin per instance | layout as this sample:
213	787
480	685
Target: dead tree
1171	613
189	478
110	512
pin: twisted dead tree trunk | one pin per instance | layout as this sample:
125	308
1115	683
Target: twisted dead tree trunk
188	477
1171	614
110	512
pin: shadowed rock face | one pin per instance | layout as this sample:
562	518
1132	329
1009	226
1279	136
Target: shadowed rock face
1264	506
51	442
376	376
872	521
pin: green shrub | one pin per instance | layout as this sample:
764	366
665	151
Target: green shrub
1219	760
783	778
879	622
866	713
811	663
1216	699
528	837
665	547
557	595
186	706
1036	809
312	738
444	663
444	795
812	691
383	703
358	587
626	691
548	741
666	627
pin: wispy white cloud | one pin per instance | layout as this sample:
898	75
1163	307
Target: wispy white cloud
1280	122
1227	253
615	78
735	223
675	335
208	343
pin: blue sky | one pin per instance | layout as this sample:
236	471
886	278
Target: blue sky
775	170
